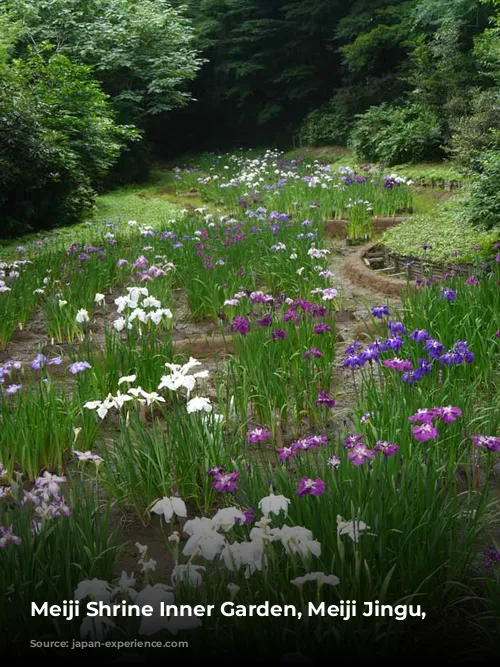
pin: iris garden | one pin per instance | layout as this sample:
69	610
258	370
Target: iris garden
236	461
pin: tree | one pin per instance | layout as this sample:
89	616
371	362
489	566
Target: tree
444	69
58	139
487	45
142	52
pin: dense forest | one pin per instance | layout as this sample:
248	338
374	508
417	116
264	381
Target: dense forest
92	91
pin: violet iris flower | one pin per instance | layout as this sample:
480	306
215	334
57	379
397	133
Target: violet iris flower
325	400
79	367
425	432
387	448
259	434
359	454
241	325
311	487
226	482
380	311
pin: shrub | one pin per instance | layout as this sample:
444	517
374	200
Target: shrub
477	132
58	139
324	126
484	202
397	135
332	122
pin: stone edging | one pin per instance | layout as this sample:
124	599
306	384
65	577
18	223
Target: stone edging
357	272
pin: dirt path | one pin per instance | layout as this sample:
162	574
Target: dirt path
353	323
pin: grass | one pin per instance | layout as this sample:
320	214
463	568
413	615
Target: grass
137	202
427	200
153	203
431	171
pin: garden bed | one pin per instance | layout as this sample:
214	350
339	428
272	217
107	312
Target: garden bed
338	228
367	268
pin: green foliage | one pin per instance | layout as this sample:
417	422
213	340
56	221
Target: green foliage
286	69
396	134
141	51
271	61
403	80
375	32
324	126
9	32
484	203
332	122
58	138
448	231
443	70
477	132
487	45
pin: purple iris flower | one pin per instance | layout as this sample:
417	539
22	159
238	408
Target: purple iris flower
424	432
394	343
216	470
359	454
311	487
491	557
370	354
419	335
265	321
13	389
319	311
380	311
402	365
226	482
279	334
352	440
488	441
325	400
313	352
448	294
241	325
39	362
259	434
353	361
396	328
387	448
353	348
434	348
79	367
